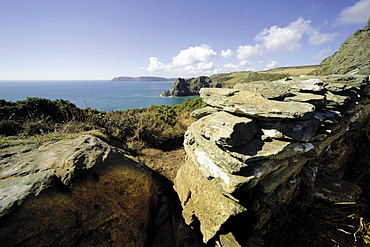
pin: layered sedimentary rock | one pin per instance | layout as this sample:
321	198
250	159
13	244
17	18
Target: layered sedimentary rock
258	144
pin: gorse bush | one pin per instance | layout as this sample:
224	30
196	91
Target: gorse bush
35	115
136	128
153	126
33	108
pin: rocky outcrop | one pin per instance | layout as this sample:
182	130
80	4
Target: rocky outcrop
85	192
263	143
189	87
353	57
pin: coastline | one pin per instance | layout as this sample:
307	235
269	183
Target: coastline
103	95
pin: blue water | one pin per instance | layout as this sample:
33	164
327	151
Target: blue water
100	95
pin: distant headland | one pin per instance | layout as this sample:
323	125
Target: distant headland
142	78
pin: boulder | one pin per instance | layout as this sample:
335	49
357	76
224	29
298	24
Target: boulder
73	192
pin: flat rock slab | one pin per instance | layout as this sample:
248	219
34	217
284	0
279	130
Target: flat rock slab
226	129
269	89
338	83
314	99
255	105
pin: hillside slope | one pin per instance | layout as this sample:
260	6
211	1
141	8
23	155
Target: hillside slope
353	57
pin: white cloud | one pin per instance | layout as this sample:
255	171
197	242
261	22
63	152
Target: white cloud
227	53
193	60
248	51
271	64
322	54
286	39
194	55
200	68
358	13
317	38
230	67
289	38
245	63
155	65
205	66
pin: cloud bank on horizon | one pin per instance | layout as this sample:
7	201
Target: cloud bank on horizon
199	59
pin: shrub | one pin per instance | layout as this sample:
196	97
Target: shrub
9	127
136	128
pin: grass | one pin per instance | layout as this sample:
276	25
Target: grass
229	80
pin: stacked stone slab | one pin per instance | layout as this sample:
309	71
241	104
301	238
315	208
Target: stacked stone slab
257	145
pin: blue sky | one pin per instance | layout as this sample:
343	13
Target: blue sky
101	39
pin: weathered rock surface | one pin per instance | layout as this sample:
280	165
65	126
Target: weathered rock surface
301	130
255	105
62	195
202	112
84	192
259	146
353	56
203	202
227	130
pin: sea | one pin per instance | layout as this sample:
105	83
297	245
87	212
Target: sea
98	94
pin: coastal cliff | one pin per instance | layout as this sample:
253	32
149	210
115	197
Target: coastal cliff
189	87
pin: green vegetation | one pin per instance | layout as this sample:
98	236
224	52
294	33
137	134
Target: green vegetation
42	119
230	79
